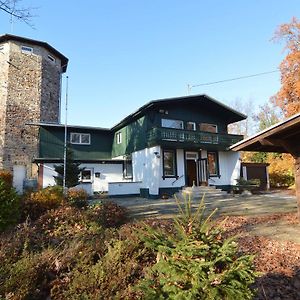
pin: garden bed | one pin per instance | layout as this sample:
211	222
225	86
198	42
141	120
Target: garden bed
55	255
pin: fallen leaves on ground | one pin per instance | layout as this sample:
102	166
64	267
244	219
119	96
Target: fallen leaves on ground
278	261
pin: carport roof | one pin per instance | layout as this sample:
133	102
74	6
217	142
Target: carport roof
283	137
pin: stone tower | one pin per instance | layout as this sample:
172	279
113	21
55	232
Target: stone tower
30	85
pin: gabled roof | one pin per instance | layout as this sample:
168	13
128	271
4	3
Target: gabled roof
213	104
10	37
283	137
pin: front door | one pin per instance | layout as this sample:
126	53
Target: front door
191	168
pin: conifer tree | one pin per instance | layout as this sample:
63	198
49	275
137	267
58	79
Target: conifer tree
72	171
195	262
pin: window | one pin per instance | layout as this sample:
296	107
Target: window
191	126
26	50
80	138
169	163
208	127
191	155
86	175
212	162
1	48
50	57
168	123
127	169
119	138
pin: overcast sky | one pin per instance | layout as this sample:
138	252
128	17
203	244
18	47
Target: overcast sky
125	53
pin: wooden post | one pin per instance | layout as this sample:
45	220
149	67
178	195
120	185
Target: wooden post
297	182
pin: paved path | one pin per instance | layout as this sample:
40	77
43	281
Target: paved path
251	205
267	203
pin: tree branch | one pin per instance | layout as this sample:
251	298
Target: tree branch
12	8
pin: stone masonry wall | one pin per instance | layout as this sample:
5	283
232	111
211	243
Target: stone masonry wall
32	96
4	50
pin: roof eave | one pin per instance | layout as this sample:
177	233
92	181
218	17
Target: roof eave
264	133
64	59
142	109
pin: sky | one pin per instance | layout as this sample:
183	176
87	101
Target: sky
123	54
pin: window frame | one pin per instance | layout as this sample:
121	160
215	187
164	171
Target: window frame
51	58
26	49
194	125
87	180
119	137
181	122
210	124
217	167
174	163
126	163
80	138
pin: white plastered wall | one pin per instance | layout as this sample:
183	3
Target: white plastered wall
173	182
108	173
229	167
148	169
146	166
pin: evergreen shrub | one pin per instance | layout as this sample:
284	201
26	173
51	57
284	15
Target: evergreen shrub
195	262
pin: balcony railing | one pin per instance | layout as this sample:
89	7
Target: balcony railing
158	135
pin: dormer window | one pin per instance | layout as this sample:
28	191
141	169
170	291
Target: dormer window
80	138
26	50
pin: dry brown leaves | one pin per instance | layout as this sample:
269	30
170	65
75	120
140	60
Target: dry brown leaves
278	261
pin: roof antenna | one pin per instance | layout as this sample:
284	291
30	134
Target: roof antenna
189	88
12	16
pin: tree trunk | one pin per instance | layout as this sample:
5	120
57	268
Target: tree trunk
297	182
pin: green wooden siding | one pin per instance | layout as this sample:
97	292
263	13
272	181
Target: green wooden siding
52	143
192	113
134	137
143	131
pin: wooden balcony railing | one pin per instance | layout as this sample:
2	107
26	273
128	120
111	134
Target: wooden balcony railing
158	135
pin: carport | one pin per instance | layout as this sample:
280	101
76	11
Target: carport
283	137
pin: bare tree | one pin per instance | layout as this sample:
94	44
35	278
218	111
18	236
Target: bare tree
244	127
16	10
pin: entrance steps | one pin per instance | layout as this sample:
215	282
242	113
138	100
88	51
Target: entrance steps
197	192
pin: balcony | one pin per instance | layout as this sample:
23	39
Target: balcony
191	139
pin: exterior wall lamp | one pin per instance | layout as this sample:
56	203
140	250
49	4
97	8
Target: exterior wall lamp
156	154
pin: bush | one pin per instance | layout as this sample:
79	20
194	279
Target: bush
281	170
77	197
27	278
281	179
37	203
195	262
114	274
9	204
7	177
108	214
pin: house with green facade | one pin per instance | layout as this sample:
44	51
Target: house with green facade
163	146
